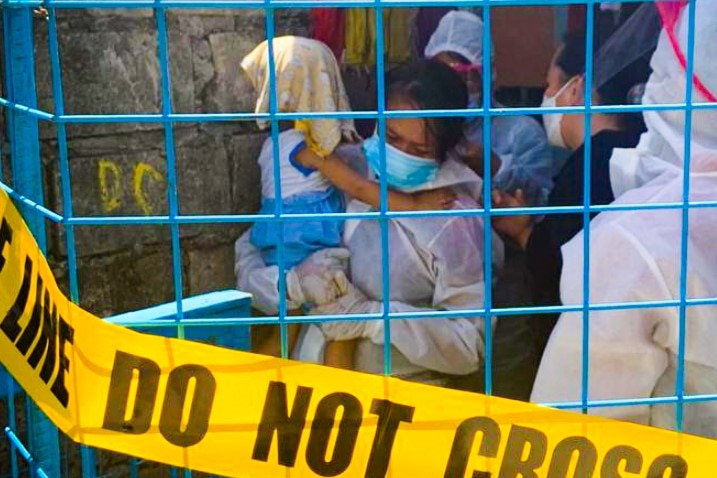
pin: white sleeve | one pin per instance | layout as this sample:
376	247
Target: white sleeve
625	360
456	345
352	155
256	278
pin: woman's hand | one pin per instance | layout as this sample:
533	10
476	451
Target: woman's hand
434	200
519	227
320	279
472	154
352	302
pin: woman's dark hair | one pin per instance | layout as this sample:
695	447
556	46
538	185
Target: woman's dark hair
432	85
571	59
618	88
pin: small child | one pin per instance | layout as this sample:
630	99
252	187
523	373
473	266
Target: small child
313	179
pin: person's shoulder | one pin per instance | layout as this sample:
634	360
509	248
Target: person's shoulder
290	142
609	139
610	236
524	132
349	151
465	217
291	137
528	122
433	232
522	123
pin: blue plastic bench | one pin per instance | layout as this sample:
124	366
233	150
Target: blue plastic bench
206	310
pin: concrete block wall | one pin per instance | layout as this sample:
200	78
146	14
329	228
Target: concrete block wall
110	65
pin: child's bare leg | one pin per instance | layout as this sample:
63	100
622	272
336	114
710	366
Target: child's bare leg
340	354
266	339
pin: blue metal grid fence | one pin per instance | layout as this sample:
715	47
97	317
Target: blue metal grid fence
23	116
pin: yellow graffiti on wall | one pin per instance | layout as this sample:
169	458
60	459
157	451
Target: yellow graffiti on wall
140	171
111	181
110	185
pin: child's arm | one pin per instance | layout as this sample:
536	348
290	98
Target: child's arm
340	354
352	183
473	157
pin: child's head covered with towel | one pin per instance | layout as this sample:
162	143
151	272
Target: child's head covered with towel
308	79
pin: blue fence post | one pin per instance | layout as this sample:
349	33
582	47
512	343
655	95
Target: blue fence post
27	180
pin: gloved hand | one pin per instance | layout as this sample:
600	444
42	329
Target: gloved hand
320	279
352	302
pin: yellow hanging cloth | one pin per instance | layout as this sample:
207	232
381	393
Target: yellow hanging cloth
356	34
360	36
399	36
371	56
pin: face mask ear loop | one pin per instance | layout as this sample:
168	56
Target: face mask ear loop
567	86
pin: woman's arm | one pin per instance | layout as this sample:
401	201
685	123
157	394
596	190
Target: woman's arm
472	155
352	183
518	228
452	346
317	280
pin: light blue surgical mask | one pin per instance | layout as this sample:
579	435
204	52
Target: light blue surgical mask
404	171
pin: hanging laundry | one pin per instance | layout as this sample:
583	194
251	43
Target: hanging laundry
329	28
400	26
372	38
360	29
356	35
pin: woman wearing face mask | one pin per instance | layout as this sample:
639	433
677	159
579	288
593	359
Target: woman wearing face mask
542	241
521	154
435	263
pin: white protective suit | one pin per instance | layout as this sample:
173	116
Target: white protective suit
635	257
435	263
662	146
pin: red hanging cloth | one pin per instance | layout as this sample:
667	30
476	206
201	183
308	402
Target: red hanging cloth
329	28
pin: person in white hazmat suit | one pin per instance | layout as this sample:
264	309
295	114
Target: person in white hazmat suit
435	263
635	257
524	157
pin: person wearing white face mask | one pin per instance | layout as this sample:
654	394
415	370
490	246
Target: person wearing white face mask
435	263
635	255
522	158
542	241
565	87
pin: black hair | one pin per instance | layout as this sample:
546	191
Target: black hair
432	85
571	59
618	89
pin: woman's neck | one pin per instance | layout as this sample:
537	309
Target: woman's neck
602	122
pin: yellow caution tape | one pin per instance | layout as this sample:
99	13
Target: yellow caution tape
239	414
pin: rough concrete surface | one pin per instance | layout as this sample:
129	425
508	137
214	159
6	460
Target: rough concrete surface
110	65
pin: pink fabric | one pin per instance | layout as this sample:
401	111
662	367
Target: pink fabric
670	14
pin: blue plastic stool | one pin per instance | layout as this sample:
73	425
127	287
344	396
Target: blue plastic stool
226	304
